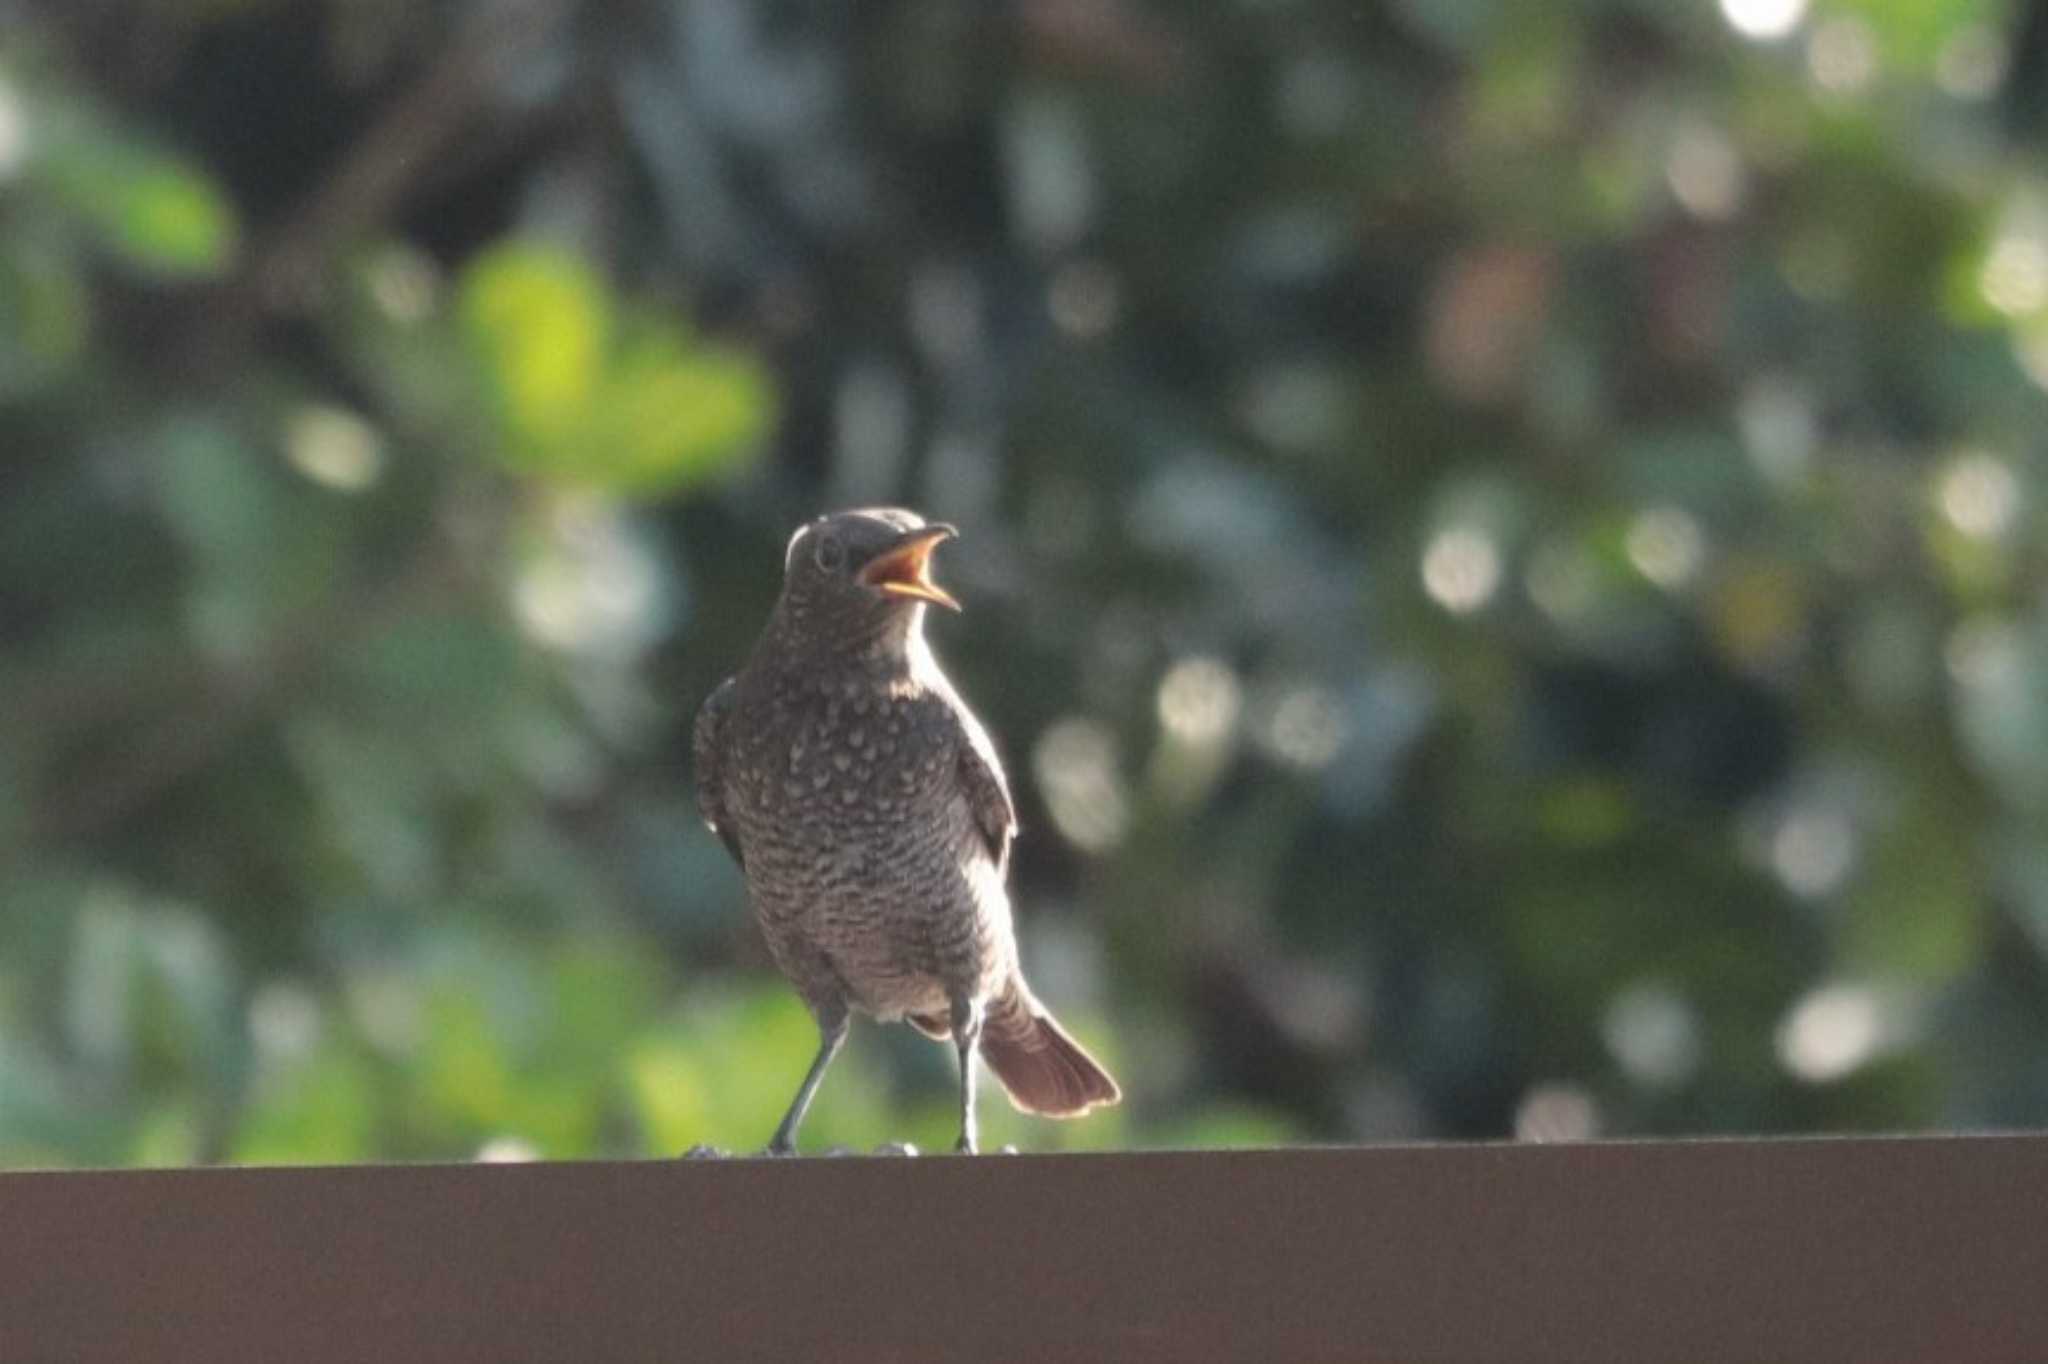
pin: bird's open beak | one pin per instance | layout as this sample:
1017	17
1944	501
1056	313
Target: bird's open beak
905	569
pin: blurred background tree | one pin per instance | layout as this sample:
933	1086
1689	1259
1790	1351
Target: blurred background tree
1503	544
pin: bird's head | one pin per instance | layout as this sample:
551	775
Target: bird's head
859	578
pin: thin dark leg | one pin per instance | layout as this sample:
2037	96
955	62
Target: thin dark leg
831	1034
966	1036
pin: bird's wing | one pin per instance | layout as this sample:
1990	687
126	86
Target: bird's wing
988	794
707	753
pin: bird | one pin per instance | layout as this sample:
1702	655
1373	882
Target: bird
872	822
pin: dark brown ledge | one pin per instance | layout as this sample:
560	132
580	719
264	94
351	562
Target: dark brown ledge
1931	1249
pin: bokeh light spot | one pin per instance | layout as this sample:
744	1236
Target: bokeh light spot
1841	56
1704	172
1813	850
1979	495
1653	1034
1085	299
1831	1032
1557	1112
284	1020
2014	279
1308	727
1461	569
594	588
1198	701
1972	64
1779	429
1763	20
334	447
14	138
1666	545
1983	653
404	283
507	1151
1076	763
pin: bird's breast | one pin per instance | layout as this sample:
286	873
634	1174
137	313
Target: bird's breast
847	781
861	841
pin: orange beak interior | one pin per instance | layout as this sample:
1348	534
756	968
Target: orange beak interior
906	569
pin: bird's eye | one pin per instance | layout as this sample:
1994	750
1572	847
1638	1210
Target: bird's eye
830	553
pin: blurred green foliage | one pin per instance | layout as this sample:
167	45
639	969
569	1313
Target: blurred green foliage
1503	545
622	404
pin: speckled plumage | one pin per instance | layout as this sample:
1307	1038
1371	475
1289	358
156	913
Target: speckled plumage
870	815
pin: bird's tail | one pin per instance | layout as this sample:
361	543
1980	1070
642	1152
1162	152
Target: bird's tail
1044	1070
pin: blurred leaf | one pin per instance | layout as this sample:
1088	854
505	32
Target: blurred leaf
540	320
673	413
590	396
167	1138
43	1120
2001	709
374	801
1229	1125
438	667
1911	33
1756	611
319	1110
45	313
736	1061
522	1045
173	221
99	997
263	551
1584	811
462	1085
192	1023
214	490
602	992
671	1098
1917	912
154	210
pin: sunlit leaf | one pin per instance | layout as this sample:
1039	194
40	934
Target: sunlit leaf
541	320
319	1110
602	992
175	222
590	395
1910	33
154	210
670	1097
168	1138
737	1060
674	414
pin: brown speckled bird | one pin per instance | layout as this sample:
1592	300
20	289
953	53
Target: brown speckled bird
869	814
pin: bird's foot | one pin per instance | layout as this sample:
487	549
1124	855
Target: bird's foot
896	1148
702	1151
965	1146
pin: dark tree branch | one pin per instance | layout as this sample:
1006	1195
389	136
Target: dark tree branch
396	153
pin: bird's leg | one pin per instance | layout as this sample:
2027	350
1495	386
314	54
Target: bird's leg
831	1034
966	1036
